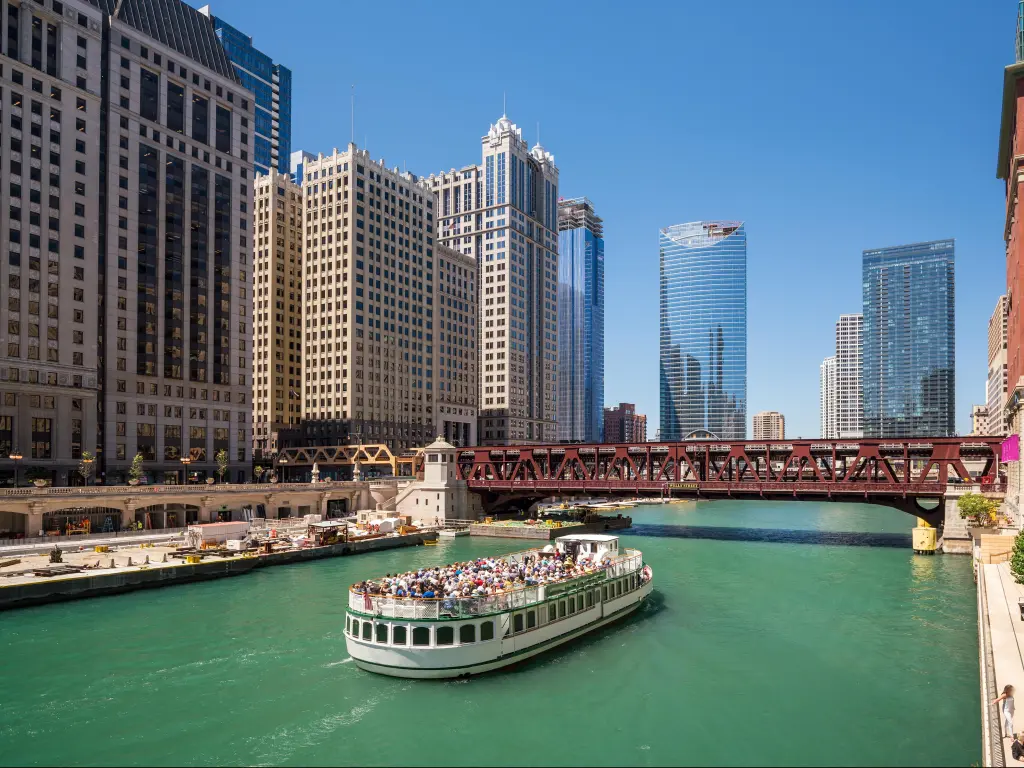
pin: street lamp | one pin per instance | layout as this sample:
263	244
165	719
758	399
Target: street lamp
185	461
15	457
282	461
88	469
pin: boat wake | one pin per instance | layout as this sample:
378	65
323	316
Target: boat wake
336	663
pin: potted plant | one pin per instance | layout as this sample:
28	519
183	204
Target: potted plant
1017	558
135	471
979	510
258	473
209	481
40	476
222	459
273	476
86	466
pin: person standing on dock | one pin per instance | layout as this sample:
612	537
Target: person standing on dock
1007	698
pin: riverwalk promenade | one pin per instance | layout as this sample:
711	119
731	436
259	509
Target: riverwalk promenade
1001	641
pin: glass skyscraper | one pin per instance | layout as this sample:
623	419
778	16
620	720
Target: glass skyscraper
580	322
908	373
272	85
704	330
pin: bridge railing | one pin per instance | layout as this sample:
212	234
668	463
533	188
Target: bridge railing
933	488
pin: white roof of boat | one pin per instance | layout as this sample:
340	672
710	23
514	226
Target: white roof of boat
588	537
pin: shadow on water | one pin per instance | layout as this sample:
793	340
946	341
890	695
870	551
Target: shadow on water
772	535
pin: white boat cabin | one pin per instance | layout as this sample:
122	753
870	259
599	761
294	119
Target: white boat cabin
595	545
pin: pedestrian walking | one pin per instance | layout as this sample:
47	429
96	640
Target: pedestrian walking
1007	698
1016	748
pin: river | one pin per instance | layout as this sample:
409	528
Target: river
778	633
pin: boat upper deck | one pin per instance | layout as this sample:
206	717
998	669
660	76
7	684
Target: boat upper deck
488	585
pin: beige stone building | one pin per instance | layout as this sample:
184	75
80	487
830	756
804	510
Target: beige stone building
51	128
769	425
277	309
996	381
504	213
389	315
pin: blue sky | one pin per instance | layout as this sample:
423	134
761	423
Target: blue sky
828	127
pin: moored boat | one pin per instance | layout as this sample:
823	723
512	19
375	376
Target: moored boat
517	606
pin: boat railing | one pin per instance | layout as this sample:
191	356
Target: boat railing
467	607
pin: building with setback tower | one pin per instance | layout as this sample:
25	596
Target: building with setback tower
504	213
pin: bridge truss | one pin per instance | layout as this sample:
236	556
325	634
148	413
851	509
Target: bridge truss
875	470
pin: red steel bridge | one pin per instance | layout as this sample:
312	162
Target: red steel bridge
895	472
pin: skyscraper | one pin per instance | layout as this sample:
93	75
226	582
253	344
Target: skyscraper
504	213
703	327
389	316
769	425
149	218
996	383
827	399
580	322
908	374
277	309
622	424
272	85
848	396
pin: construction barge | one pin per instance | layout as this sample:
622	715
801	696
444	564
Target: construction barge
31	580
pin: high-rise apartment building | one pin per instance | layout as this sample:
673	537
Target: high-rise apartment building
622	424
580	374
504	213
143	130
908	374
996	382
272	86
389	315
849	395
827	399
277	309
704	330
769	425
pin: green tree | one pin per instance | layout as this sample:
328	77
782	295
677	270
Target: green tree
135	471
258	472
222	463
977	508
86	466
1017	558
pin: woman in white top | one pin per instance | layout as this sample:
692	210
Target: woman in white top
1007	698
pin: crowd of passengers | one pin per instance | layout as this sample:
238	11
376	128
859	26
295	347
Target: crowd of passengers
481	577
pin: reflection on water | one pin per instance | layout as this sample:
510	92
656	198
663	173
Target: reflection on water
773	535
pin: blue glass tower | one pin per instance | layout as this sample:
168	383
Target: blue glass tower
908	363
580	322
272	85
704	330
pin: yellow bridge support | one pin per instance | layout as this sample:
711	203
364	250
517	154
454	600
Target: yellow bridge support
925	538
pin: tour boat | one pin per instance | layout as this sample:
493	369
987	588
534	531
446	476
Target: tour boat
428	637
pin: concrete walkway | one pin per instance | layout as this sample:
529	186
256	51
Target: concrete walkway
1006	637
69	543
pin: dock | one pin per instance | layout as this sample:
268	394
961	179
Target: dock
34	581
1001	655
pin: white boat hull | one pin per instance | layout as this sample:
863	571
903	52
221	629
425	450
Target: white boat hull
462	661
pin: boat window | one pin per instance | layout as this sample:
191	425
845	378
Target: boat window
531	619
355	628
398	636
561	609
367	630
552	612
382	633
347	620
590	599
444	636
487	630
467	633
604	593
517	623
420	636
572	605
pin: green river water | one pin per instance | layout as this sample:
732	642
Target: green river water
770	640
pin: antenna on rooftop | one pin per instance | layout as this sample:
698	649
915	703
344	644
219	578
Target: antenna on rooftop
504	113
353	113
